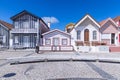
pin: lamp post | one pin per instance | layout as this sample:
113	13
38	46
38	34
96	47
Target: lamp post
37	39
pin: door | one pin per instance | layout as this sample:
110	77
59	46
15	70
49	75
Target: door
86	35
113	38
26	41
55	44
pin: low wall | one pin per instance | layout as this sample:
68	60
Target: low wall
104	49
55	48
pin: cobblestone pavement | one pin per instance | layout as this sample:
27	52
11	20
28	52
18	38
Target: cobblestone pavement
13	53
66	70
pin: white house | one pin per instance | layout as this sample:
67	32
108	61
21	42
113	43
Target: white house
56	40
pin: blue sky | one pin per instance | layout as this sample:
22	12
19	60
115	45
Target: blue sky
65	11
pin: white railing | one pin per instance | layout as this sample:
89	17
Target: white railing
24	31
56	48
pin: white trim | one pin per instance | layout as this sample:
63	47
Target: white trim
55	30
87	16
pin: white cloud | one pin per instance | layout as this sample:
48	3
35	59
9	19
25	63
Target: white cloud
50	19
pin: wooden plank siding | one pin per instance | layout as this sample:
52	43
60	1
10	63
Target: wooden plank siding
28	26
4	36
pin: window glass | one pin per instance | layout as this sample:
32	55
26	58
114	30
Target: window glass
78	34
16	39
47	41
94	35
64	41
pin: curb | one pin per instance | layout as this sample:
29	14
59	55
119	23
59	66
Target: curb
43	59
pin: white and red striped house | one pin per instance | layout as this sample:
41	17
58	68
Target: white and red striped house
56	40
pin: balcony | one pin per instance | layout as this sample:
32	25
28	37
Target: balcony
24	31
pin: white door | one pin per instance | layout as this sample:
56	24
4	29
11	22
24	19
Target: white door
55	41
26	41
56	44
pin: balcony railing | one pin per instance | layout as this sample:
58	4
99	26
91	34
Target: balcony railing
24	31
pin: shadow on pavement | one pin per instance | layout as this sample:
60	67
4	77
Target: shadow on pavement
9	75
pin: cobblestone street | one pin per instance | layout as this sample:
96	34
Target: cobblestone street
61	70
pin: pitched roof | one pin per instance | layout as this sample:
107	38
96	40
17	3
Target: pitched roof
106	20
85	17
26	12
55	30
102	22
8	25
21	13
116	18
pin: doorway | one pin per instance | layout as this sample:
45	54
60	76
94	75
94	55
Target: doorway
113	38
26	41
86	35
55	44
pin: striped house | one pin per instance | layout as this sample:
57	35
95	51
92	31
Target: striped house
27	30
4	34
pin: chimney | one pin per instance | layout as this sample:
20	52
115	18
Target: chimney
49	24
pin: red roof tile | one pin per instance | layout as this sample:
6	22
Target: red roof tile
8	25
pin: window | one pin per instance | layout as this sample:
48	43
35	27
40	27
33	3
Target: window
4	39
36	24
16	39
26	24
16	24
47	41
94	35
64	41
78	34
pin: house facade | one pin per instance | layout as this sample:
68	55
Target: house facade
27	30
4	34
85	32
56	40
117	21
109	31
